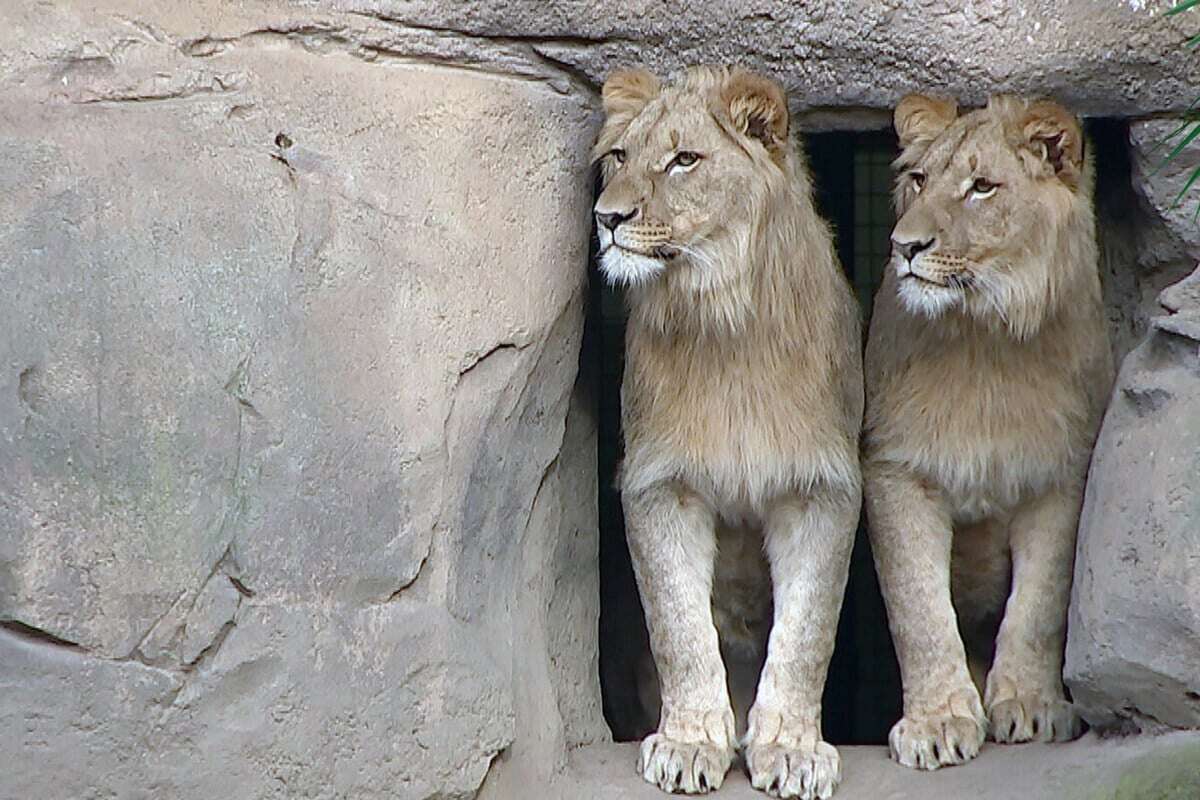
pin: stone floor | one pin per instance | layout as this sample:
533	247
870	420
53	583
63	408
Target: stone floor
1163	767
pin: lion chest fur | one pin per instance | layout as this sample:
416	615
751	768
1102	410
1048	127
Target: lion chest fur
742	418
988	420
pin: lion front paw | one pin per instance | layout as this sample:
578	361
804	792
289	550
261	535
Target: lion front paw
952	735
804	772
688	767
1033	718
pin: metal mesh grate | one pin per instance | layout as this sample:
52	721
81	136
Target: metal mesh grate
873	216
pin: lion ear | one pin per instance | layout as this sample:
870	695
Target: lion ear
625	94
1055	134
920	119
627	91
758	107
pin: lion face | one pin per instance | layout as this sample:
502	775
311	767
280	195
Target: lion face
982	200
683	170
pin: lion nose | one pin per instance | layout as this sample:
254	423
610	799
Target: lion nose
611	219
910	248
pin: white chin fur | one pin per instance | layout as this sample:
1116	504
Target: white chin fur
930	301
623	268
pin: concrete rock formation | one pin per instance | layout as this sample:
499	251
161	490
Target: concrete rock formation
1133	653
1133	648
297	480
297	492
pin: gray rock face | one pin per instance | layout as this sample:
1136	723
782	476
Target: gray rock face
1133	649
294	480
1163	186
1110	59
73	725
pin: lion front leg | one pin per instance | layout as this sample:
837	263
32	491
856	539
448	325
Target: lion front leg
672	542
808	544
911	537
1024	695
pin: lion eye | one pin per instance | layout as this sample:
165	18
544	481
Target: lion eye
683	160
617	155
918	181
982	187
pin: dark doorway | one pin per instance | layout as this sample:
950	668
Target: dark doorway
852	177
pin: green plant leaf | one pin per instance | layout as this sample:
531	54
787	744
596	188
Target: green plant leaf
1192	42
1184	142
1182	127
1191	179
1187	120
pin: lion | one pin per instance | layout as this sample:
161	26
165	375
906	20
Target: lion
741	407
988	368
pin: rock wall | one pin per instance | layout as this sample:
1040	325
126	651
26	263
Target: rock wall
1112	58
297	482
297	492
1133	651
1133	647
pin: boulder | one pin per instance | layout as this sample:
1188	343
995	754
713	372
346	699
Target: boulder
1133	645
297	489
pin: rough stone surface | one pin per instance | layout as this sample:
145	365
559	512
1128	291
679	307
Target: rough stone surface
73	725
1133	648
1163	186
296	485
1133	269
1112	58
1134	768
1118	58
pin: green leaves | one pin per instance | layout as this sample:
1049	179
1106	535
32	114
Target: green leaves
1188	185
1190	130
1181	6
1190	127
